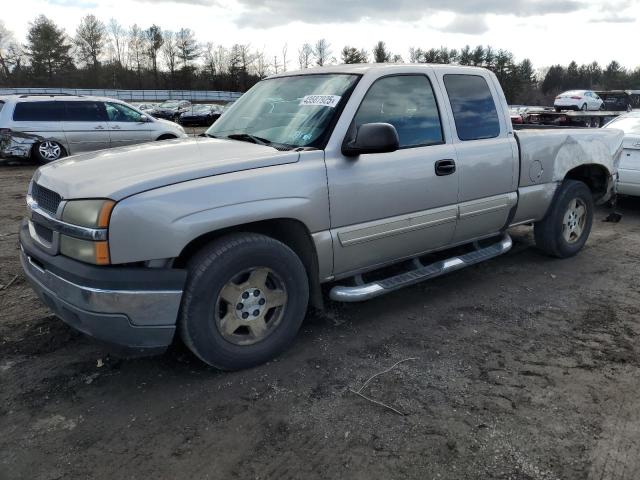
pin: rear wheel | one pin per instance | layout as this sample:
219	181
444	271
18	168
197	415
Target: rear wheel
48	151
245	300
566	227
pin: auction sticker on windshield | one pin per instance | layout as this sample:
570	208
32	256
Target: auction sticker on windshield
321	100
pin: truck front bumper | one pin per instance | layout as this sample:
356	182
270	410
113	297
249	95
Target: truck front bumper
135	308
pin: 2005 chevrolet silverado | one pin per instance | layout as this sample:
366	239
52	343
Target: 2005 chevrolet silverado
350	176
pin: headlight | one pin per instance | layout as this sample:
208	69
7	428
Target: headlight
88	213
93	214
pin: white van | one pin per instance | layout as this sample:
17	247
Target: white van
48	127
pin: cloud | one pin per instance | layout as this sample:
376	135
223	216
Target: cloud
613	18
467	24
269	13
73	3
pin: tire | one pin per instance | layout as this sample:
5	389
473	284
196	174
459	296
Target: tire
558	109
219	320
557	234
48	151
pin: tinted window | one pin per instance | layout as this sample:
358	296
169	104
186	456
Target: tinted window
117	112
38	112
1	105
407	102
474	110
85	112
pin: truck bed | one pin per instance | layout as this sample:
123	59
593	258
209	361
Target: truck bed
546	155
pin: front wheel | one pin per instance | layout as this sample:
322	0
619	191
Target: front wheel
566	227
245	299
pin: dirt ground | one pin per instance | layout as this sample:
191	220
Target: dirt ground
524	367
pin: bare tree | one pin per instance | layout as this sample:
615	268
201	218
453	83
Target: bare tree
170	53
90	40
322	52
305	55
136	47
154	42
261	65
117	42
6	39
284	57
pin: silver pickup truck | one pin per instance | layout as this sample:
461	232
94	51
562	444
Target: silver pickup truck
356	180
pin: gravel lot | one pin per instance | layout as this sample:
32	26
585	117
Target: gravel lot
524	367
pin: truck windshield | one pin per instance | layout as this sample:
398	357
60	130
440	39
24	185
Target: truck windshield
295	111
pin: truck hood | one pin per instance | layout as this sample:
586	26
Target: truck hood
122	172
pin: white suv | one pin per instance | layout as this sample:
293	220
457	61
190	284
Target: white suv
48	127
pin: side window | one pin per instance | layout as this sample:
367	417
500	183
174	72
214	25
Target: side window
474	110
85	112
1	105
121	113
408	103
38	112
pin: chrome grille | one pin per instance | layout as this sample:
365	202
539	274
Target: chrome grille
48	200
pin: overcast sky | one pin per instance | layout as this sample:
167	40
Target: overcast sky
546	31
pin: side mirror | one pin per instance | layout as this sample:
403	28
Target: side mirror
144	119
371	138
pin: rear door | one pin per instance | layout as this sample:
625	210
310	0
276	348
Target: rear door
85	126
126	126
486	151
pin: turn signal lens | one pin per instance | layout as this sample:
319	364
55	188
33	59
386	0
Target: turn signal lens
86	251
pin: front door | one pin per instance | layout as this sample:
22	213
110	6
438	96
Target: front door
389	206
126	126
85	126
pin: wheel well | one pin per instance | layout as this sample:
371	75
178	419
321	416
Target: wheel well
596	177
292	233
166	136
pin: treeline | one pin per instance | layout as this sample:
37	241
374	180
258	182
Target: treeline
108	55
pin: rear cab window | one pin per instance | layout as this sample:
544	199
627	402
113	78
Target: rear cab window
48	111
408	103
473	106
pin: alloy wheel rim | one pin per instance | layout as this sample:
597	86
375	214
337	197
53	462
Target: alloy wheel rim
50	150
574	220
250	306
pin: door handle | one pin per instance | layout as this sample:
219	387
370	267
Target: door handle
116	127
445	167
99	127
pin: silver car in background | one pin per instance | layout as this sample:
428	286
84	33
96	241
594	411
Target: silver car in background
46	128
629	169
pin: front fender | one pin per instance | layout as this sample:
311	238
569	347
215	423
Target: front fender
158	224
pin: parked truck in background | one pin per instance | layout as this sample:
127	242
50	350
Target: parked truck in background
322	177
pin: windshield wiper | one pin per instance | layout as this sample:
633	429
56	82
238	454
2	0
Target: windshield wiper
244	137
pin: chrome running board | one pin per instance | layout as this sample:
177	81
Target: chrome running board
365	291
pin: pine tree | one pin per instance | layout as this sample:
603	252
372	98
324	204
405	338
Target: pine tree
48	50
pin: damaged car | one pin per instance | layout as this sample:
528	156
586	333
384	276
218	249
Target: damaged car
45	128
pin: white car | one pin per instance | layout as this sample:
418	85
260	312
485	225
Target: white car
629	169
578	100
